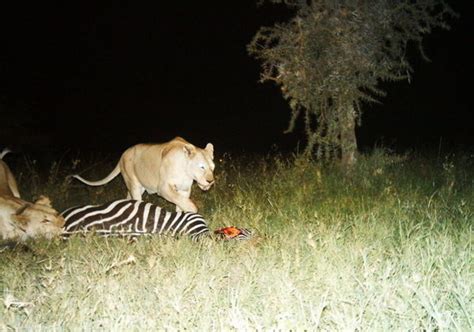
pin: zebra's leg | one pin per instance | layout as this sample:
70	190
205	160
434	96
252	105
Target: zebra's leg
180	198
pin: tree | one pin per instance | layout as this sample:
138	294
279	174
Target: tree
332	55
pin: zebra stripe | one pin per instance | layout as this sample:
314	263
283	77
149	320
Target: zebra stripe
132	218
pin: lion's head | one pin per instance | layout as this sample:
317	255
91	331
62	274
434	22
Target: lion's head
38	219
201	165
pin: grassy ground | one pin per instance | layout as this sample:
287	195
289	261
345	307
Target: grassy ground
388	247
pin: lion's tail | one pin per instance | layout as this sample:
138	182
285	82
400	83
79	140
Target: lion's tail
4	152
107	179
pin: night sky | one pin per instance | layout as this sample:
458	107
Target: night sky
105	77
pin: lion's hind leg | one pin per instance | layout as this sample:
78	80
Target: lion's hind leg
135	192
135	189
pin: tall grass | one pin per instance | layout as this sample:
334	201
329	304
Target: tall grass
386	247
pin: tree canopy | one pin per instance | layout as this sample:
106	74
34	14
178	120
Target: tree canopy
331	56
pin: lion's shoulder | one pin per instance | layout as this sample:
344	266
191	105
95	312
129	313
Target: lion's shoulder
10	202
179	139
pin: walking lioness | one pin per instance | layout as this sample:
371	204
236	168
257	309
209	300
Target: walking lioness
167	169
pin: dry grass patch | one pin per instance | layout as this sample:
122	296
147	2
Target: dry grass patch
381	249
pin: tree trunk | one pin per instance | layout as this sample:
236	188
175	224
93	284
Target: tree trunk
348	136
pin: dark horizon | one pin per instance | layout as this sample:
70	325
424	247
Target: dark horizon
104	78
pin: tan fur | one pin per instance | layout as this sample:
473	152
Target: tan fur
8	184
167	169
20	220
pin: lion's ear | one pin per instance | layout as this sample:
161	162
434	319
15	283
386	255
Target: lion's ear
19	221
43	200
210	149
189	150
22	209
19	218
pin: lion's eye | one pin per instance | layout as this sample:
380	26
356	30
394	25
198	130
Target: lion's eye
46	221
202	167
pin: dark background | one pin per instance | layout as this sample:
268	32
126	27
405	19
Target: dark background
104	77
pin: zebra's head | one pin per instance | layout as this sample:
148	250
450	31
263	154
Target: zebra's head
233	233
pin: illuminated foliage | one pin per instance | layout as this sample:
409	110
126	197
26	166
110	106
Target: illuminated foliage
331	56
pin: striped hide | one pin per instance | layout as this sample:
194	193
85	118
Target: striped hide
132	218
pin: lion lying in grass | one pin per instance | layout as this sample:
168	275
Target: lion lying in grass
21	220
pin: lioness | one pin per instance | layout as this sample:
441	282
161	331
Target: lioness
8	184
167	169
20	220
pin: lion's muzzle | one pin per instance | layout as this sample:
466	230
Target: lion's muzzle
207	185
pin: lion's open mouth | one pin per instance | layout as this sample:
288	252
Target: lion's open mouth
205	186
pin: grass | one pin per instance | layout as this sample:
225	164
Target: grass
387	247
